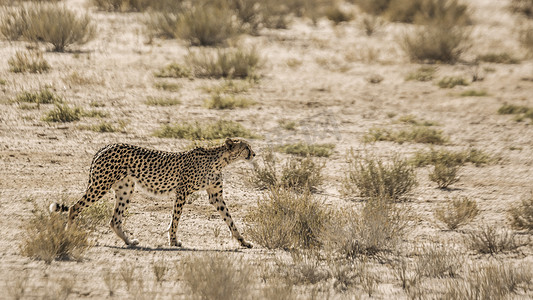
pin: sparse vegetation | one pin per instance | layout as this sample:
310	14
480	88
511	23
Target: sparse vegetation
63	113
174	70
451	82
490	240
338	15
499	58
451	158
371	177
371	24
49	23
226	63
304	149
295	220
444	175
160	269
473	93
438	261
167	86
216	276
425	73
221	101
195	131
160	101
288	125
521	215
98	214
29	61
410	119
43	96
457	213
417	134
229	87
47	238
519	111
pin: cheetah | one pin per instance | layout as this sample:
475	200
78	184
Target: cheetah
122	166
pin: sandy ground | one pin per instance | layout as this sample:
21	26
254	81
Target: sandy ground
328	95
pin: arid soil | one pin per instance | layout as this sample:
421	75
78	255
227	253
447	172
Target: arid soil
327	93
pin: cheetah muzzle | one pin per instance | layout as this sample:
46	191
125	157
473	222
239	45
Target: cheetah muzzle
121	167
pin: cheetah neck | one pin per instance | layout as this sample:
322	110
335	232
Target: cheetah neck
221	157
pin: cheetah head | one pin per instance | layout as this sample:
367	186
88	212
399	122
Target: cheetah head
239	149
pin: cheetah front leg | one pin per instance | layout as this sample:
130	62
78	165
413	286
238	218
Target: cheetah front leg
215	198
176	214
123	192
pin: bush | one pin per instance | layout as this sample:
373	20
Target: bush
220	129
451	158
521	215
227	63
63	113
98	214
285	220
494	280
49	23
304	269
457	213
47	238
422	74
304	149
219	101
216	276
444	176
438	261
161	24
378	228
417	134
174	71
489	240
371	177
207	24
451	82
30	61
298	174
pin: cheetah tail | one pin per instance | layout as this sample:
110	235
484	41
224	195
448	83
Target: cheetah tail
58	207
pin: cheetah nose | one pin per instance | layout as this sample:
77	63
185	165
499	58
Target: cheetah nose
253	155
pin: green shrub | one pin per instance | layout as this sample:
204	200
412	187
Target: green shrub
216	276
220	101
371	177
451	158
499	58
227	63
451	82
207	24
63	113
30	61
417	134
444	175
47	238
304	149
49	23
154	101
521	215
220	129
285	220
174	71
422	74
457	213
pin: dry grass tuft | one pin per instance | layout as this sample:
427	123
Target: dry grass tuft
43	96
451	158
451	82
444	175
295	220
425	73
438	261
415	134
216	276
154	101
521	215
304	149
221	101
499	58
47	238
173	70
490	240
457	213
29	61
371	177
63	113
220	129
227	63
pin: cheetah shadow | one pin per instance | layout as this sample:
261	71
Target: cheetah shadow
172	249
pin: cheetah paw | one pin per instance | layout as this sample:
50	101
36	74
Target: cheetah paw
133	242
247	244
174	243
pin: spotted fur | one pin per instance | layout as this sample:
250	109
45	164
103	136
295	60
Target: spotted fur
121	167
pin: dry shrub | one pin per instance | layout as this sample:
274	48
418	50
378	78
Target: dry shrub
306	268
499	58
494	280
438	261
451	158
371	24
173	70
18	285
415	134
228	63
338	15
43	96
110	280
29	61
444	175
451	82
216	276
161	24
205	131
220	101
96	215
526	37
299	174
47	238
304	149
372	177
49	23
490	240
425	73
121	5
285	219
378	228
457	213
160	269
521	215
63	113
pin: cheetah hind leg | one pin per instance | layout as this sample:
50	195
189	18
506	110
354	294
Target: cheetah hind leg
123	192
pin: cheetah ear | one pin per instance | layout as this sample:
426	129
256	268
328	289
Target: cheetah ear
229	143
